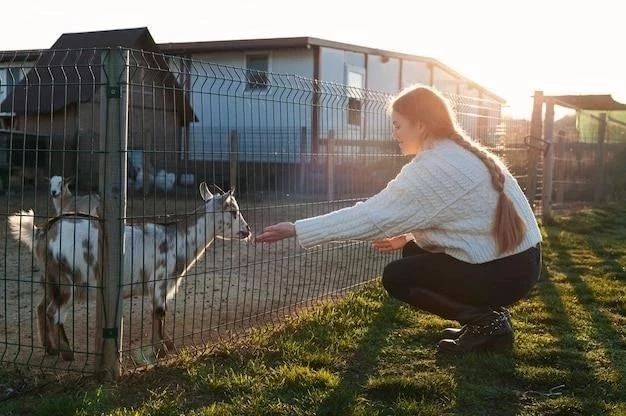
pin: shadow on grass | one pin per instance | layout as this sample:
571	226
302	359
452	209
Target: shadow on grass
484	382
587	357
605	337
362	364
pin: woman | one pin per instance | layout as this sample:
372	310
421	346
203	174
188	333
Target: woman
470	242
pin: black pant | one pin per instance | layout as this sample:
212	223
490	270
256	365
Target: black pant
487	285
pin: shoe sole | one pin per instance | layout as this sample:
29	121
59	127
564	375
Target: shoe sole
502	343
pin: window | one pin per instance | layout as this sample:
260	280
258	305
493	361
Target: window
355	82
3	83
354	111
15	75
257	67
9	78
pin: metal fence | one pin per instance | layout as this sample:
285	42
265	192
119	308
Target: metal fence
583	154
143	130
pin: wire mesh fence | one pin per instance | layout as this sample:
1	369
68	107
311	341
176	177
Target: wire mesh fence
581	154
589	156
289	147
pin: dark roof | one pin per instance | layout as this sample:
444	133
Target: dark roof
70	71
184	48
602	102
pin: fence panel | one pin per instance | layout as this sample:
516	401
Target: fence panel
588	151
290	147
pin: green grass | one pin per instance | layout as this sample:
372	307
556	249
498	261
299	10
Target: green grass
369	355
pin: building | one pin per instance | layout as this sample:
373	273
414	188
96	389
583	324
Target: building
261	77
54	105
280	101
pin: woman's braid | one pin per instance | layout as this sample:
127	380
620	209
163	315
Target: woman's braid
497	176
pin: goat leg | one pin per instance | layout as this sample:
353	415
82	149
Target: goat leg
64	344
56	333
44	322
161	343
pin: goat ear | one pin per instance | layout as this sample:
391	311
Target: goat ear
69	180
232	191
219	190
204	192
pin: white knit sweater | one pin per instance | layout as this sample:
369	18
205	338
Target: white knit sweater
443	196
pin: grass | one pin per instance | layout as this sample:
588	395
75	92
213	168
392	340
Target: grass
369	355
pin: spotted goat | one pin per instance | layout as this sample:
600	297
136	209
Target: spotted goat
67	251
65	202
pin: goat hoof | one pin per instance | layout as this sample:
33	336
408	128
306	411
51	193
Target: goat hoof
161	351
169	345
51	351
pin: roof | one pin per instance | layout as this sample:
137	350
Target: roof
599	102
64	74
306	42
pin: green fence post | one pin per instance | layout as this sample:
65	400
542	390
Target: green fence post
114	101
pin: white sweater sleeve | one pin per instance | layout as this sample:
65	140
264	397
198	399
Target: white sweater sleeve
420	191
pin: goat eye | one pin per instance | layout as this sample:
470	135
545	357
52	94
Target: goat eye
234	214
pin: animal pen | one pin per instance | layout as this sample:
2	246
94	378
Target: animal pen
126	124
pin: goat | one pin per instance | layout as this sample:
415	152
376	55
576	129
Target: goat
67	250
64	202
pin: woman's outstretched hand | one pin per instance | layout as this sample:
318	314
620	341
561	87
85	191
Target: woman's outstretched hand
276	232
390	244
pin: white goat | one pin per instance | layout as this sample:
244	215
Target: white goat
65	202
67	250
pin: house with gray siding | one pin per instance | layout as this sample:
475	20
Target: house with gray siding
285	96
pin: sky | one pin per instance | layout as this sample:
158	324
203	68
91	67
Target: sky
512	48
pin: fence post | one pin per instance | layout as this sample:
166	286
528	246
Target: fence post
330	167
598	181
303	158
233	151
560	170
548	163
112	187
533	154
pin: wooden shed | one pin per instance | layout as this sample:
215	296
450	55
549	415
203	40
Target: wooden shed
60	97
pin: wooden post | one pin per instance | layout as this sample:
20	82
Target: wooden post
330	166
560	170
233	152
548	163
598	181
533	152
114	100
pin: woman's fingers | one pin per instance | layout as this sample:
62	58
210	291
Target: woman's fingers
389	244
382	245
268	236
276	232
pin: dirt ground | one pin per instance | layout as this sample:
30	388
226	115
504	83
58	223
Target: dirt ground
232	286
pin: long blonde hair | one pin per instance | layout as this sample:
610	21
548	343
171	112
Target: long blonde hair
424	105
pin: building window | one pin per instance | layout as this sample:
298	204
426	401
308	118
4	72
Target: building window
15	75
355	83
257	67
354	111
3	84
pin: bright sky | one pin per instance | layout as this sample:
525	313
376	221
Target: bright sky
510	47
